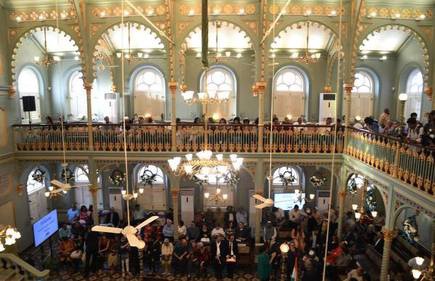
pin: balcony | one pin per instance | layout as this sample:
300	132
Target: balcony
410	163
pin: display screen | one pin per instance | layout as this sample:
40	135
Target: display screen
45	227
286	201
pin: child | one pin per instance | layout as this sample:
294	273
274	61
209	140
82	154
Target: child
124	256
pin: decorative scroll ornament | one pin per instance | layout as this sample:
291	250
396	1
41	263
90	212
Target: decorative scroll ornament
287	177
38	175
148	177
117	177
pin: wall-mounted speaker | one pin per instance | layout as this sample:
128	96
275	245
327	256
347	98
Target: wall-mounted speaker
29	103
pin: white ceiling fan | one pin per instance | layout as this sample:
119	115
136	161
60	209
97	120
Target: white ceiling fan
129	231
266	202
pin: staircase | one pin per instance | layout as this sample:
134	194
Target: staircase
12	268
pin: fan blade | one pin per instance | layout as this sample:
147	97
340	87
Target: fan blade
59	184
262	205
134	241
108	229
146	222
259	197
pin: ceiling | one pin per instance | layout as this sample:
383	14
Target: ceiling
295	37
385	41
57	42
132	36
229	36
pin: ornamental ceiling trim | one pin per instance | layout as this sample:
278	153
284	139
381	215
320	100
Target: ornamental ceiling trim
303	10
392	12
217	9
42	15
150	10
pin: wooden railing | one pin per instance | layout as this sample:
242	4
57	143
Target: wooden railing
409	162
22	268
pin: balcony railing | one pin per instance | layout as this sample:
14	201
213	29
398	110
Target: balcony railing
410	163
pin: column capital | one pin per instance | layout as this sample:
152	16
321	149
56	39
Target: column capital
175	192
327	89
348	87
12	91
428	91
172	85
93	189
342	194
88	86
389	234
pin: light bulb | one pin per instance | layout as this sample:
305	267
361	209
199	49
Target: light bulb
50	188
374	214
312	196
225	196
297	191
419	261
64	191
47	194
9	241
219	157
218	190
141	190
416	273
354	207
284	248
206	195
123	192
10	231
357	216
17	234
135	195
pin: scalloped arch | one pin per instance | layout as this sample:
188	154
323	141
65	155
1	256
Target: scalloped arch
384	27
24	35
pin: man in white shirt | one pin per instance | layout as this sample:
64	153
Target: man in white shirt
218	230
167	250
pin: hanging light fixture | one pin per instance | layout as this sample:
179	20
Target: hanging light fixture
8	236
216	198
307	57
47	59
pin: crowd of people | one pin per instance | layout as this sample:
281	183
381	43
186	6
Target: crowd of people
211	245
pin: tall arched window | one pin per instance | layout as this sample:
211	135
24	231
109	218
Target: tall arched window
150	180
219	79
77	95
149	92
362	95
287	176
290	90
414	89
82	193
30	84
35	187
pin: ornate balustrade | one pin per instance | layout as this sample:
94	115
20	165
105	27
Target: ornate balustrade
411	163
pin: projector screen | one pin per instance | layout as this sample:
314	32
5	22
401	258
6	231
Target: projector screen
286	201
45	227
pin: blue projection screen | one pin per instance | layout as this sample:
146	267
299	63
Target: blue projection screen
45	227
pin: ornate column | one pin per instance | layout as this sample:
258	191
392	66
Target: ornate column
88	88
341	201
93	188
429	92
259	189
347	106
260	88
175	194
173	90
389	235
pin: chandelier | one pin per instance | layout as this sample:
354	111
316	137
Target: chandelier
218	197
308	57
420	267
8	236
204	167
47	59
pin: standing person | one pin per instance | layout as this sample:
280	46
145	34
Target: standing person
230	216
232	255
72	213
293	263
179	259
91	252
270	233
219	250
384	118
124	248
168	230
263	265
137	214
156	248
166	256
103	248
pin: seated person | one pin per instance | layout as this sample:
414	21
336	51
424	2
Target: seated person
217	230
65	231
242	233
66	247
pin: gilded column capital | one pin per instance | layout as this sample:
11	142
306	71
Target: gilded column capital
389	234
342	194
261	86
88	87
12	91
93	189
327	89
428	91
348	88
172	85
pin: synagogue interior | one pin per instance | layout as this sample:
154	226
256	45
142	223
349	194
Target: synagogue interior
217	140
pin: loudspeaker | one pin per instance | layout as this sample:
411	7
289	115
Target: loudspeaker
29	103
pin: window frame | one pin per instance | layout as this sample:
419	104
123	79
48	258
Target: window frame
40	81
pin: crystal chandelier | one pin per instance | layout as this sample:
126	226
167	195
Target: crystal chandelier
204	167
307	57
8	236
218	197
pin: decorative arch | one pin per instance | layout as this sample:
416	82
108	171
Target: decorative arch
291	89
68	36
364	92
379	28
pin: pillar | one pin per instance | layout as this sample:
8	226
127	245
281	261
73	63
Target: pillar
341	201
259	189
347	106
175	194
88	88
385	264
93	188
173	90
261	89
389	233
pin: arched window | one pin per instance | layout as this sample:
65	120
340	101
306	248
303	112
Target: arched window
83	196
29	84
219	79
149	92
362	94
35	186
286	176
290	90
77	96
414	89
81	174
151	182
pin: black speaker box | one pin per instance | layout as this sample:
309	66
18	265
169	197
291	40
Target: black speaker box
29	103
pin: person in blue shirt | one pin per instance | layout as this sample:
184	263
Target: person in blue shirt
72	213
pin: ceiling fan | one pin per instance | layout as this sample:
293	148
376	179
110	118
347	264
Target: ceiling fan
267	202
129	231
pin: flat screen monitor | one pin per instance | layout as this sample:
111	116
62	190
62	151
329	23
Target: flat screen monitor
45	227
287	201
